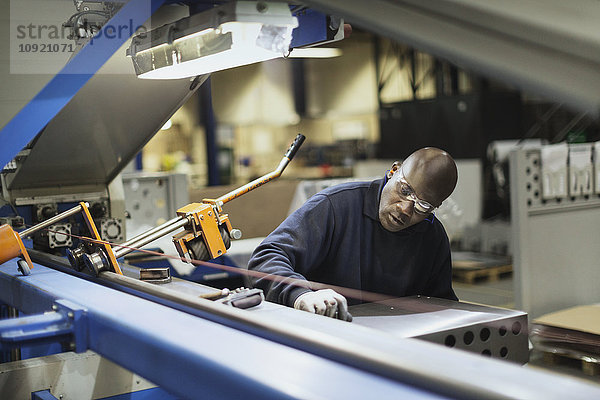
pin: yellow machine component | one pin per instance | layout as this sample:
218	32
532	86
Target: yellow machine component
11	246
207	232
89	221
205	222
11	243
208	228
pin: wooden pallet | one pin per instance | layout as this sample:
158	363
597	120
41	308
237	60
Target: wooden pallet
466	272
589	365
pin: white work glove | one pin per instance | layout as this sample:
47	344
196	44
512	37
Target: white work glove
324	302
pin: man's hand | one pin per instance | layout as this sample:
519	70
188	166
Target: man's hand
324	302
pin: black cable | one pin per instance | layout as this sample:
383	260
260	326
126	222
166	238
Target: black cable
82	13
14	209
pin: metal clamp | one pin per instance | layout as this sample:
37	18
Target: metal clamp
243	298
155	275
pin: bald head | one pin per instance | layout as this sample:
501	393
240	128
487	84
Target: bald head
425	179
432	173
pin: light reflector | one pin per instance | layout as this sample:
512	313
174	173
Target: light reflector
231	35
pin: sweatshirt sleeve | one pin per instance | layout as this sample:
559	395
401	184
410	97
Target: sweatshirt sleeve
440	282
292	250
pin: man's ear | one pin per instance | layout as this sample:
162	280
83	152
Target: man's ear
394	168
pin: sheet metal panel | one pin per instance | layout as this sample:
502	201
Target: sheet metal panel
61	89
105	124
555	242
74	376
491	331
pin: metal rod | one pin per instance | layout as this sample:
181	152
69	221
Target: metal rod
265	178
133	240
122	251
254	184
51	221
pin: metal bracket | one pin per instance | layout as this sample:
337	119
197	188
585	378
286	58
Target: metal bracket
243	298
106	249
67	320
43	395
155	275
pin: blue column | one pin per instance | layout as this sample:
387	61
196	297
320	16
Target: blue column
208	117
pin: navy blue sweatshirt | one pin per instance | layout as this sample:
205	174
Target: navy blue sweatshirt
336	238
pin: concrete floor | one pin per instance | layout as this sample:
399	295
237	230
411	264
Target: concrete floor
498	293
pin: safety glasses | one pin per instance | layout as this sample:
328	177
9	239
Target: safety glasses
421	206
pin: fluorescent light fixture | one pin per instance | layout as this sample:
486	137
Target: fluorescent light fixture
227	36
167	125
315	52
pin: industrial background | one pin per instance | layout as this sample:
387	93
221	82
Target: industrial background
92	149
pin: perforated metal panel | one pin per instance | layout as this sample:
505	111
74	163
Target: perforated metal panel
555	245
532	186
489	331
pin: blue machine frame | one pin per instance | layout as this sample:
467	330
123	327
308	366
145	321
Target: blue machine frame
192	354
61	89
180	352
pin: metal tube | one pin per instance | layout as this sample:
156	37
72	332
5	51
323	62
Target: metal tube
289	154
51	221
252	185
133	240
157	234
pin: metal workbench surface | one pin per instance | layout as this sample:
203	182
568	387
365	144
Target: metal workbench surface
187	351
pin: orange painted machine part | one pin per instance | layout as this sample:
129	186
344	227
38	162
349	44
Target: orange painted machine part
205	221
212	234
246	188
180	241
193	209
225	220
12	246
87	217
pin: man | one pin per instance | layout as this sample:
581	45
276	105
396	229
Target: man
379	236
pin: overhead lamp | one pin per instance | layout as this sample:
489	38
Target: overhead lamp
167	125
314	52
230	35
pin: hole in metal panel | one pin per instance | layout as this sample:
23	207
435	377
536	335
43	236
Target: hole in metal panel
468	337
484	334
516	328
450	341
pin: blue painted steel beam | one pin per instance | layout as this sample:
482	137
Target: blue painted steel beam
42	395
210	127
33	328
311	29
66	323
61	89
190	356
147	394
194	357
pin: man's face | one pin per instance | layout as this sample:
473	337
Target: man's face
397	206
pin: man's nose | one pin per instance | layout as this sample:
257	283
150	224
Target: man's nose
406	207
